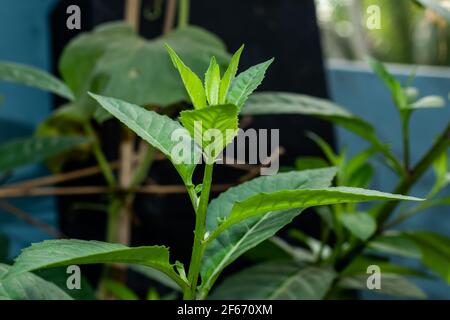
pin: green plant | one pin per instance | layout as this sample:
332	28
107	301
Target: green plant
231	224
100	62
354	238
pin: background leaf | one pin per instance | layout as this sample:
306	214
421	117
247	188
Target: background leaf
395	243
282	280
55	253
291	103
229	76
212	82
114	61
247	82
22	152
223	118
391	284
360	224
33	77
28	286
435	251
428	102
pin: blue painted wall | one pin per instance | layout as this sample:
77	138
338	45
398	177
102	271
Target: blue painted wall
24	38
356	88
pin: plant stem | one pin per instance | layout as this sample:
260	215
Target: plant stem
183	13
405	184
100	156
405	136
133	13
199	233
144	166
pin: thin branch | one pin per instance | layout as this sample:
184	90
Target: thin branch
93	190
169	20
60	177
24	216
254	172
133	13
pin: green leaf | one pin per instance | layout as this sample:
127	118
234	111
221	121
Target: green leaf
153	294
296	199
191	81
398	94
307	163
28	286
360	265
395	243
114	61
362	177
212	82
247	82
440	167
200	123
326	148
428	102
157	276
59	277
291	103
314	245
158	131
119	290
32	150
272	249
353	165
55	253
282	280
80	56
435	251
229	76
391	284
361	224
33	77
244	236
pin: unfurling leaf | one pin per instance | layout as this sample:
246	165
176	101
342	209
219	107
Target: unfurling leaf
191	81
213	128
229	76
247	82
212	82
